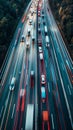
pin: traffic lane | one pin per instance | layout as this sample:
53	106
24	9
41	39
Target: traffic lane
11	100
53	73
64	73
66	97
33	68
29	55
47	103
65	69
27	84
66	57
56	47
65	51
16	119
15	44
62	100
8	81
25	57
49	64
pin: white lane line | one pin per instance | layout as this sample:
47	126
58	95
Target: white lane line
52	119
48	87
67	63
67	104
6	103
63	66
69	89
1	111
27	80
13	111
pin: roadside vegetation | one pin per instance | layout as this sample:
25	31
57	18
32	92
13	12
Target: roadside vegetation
63	12
10	13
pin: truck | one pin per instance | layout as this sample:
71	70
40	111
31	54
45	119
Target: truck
12	85
29	117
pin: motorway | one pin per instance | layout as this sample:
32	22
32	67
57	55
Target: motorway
43	70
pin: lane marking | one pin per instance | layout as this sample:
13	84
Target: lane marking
67	104
48	87
69	89
8	112
6	103
13	111
52	119
1	111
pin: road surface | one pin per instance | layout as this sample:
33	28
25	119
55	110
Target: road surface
43	71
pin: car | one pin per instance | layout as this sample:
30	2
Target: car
29	32
32	78
12	85
40	49
43	79
35	11
47	39
38	23
27	45
22	38
30	21
41	56
45	120
43	94
44	23
45	115
47	45
40	42
42	15
39	14
27	17
39	30
33	38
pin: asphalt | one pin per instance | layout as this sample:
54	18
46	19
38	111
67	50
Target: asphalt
58	86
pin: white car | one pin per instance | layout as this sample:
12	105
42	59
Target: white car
41	56
12	85
40	49
43	79
47	45
30	21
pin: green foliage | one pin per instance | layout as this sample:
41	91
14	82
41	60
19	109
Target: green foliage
10	11
63	10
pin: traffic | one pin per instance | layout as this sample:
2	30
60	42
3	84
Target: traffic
37	89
